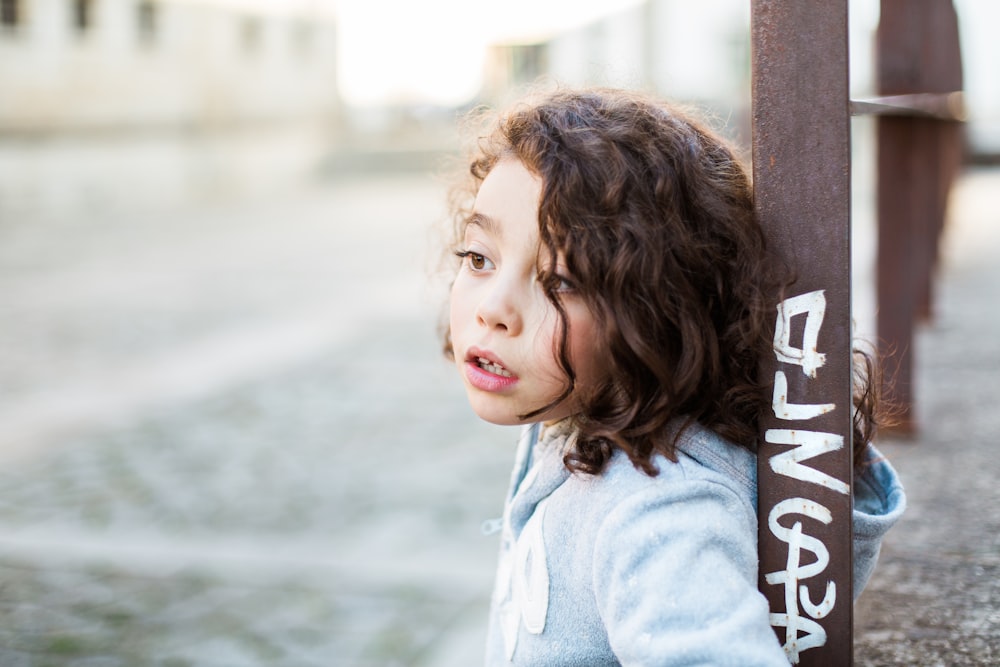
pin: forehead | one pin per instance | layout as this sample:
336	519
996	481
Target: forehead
507	202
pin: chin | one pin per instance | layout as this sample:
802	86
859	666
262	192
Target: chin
499	419
496	415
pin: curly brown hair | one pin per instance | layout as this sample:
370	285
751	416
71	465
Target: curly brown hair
653	214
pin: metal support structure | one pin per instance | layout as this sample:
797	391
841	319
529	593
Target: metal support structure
801	158
919	154
943	106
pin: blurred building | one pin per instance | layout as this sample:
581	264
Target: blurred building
699	53
148	102
117	64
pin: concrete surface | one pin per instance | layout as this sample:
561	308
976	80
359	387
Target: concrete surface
935	598
228	436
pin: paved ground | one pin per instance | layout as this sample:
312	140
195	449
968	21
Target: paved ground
935	598
227	439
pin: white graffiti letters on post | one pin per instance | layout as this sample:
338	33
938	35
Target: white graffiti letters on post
813	304
807	445
794	572
794	411
801	615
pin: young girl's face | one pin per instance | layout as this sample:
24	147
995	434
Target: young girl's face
504	330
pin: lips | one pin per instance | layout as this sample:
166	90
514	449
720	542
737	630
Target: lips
491	367
486	372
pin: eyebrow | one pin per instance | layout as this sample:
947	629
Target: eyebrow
491	225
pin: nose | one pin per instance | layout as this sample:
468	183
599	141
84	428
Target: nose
500	309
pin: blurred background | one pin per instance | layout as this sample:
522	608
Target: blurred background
227	435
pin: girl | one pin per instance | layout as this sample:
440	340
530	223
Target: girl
614	295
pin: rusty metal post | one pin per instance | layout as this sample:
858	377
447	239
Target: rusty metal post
918	159
801	164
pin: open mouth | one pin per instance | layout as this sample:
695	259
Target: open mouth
492	367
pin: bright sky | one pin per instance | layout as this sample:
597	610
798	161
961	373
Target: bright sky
433	50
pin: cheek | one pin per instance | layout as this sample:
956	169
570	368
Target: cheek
546	343
586	352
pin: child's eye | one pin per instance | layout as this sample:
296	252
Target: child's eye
558	283
564	284
476	261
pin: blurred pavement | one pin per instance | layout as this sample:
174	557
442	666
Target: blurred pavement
934	600
227	438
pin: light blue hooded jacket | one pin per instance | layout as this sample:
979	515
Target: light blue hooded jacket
626	569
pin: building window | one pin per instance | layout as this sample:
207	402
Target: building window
250	34
10	12
528	61
146	15
303	37
83	14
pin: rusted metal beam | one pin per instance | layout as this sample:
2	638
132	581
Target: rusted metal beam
801	158
919	154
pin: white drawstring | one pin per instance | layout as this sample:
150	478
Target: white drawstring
491	527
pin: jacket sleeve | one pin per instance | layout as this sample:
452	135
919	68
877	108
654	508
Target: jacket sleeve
675	577
879	501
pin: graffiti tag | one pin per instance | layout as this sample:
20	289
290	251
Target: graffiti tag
802	631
